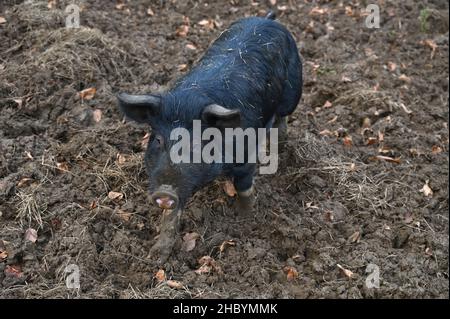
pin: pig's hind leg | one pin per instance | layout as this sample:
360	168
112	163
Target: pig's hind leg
243	182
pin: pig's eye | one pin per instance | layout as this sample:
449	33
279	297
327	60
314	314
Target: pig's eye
159	140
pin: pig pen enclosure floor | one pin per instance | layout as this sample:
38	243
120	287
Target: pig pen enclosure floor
362	184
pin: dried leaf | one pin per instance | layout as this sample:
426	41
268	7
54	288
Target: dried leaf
115	195
15	271
62	166
174	284
208	23
347	140
355	237
189	240
125	216
226	244
2	20
291	272
24	182
371	141
229	189
160	275
327	104
426	189
436	149
207	265
51	4
346	272
316	11
404	78
28	154
87	94
97	115
19	102
3	255
31	235
190	46
182	67
432	45
150	12
392	66
121	159
182	31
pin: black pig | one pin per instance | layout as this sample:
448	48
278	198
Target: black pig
251	76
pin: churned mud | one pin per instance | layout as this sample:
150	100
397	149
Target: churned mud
362	184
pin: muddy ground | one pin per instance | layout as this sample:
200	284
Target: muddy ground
363	179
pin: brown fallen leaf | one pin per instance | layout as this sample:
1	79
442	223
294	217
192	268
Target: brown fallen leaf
62	166
174	284
432	45
229	189
190	46
121	158
182	31
182	67
14	270
19	102
317	11
150	12
226	244
2	20
355	237
93	205
404	78
436	149
3	252
348	273
291	273
207	23
426	189
371	141
51	4
115	195
189	240
3	255
392	66
125	216
207	265
347	140
327	104
87	94
31	235
24	182
160	275
97	115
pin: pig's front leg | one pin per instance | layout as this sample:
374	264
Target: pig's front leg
243	182
163	247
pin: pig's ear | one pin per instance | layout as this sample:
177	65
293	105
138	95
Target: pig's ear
139	108
218	116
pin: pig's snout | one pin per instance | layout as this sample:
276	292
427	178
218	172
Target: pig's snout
165	197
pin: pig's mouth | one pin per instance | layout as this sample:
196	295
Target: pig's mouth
165	197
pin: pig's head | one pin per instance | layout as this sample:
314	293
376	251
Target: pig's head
172	184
